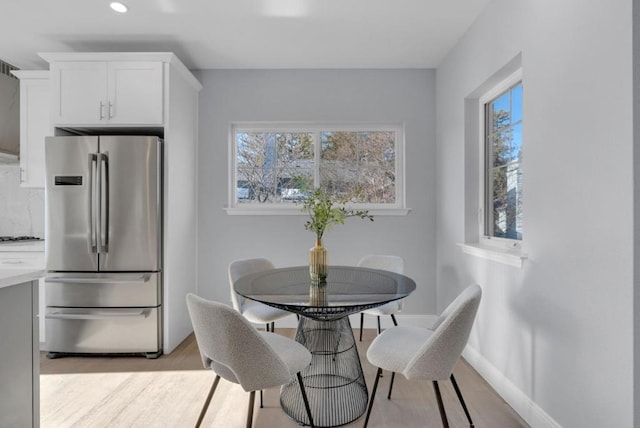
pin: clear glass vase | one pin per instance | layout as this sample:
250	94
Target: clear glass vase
318	262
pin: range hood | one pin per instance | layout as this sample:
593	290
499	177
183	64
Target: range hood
9	114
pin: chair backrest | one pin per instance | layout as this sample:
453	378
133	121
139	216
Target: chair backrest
436	358
384	262
240	268
230	346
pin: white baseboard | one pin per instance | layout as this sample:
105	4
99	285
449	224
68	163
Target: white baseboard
528	410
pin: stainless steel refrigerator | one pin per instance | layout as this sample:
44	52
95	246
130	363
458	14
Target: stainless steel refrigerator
103	287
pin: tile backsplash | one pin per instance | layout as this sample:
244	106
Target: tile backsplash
21	209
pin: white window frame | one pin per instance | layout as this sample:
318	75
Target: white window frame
398	208
483	239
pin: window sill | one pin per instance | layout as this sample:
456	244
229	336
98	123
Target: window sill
296	211
508	257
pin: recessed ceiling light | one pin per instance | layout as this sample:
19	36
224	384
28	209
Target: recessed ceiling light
119	7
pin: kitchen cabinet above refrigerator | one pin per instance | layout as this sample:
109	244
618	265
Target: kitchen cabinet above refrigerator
109	89
107	93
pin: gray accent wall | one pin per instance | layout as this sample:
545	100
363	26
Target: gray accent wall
555	337
398	96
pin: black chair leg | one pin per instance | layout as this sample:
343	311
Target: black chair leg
305	399
379	329
393	376
459	394
443	415
267	326
373	395
393	318
361	324
252	400
273	327
261	402
208	400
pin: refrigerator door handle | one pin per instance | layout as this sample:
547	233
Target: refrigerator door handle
104	202
93	201
100	315
84	280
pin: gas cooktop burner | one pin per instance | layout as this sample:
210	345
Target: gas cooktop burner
19	238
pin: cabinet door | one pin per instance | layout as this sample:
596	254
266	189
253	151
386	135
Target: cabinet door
19	373
79	93
135	93
35	101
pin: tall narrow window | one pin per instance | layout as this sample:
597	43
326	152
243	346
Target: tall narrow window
503	164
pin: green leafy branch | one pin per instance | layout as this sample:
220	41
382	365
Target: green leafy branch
323	214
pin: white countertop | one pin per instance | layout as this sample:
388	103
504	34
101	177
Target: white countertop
10	277
21	262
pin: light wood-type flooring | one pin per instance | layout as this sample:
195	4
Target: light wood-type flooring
96	392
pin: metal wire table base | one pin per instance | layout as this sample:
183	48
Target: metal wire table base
334	381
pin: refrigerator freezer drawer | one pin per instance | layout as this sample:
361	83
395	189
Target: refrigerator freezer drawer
103	290
97	331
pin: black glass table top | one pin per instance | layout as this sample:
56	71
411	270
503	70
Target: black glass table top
347	290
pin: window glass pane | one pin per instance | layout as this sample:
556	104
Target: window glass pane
499	150
359	165
516	143
272	166
501	104
504	156
516	103
500	137
338	162
295	164
507	215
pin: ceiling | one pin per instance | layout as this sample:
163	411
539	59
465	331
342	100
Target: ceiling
243	33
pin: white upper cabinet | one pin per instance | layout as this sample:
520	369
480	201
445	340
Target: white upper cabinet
135	92
107	93
35	99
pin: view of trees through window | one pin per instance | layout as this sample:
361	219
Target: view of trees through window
504	159
277	167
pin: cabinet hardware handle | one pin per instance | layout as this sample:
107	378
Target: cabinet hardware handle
122	279
101	110
98	315
110	110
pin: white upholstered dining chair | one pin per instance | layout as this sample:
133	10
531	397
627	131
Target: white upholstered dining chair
253	311
231	347
393	264
429	354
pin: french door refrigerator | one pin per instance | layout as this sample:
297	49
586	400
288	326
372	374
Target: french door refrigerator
103	287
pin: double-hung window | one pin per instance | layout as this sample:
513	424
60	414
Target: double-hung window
501	184
273	164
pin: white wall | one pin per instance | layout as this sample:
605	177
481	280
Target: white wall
556	336
316	95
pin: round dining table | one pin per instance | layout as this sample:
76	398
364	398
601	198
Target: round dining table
334	381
